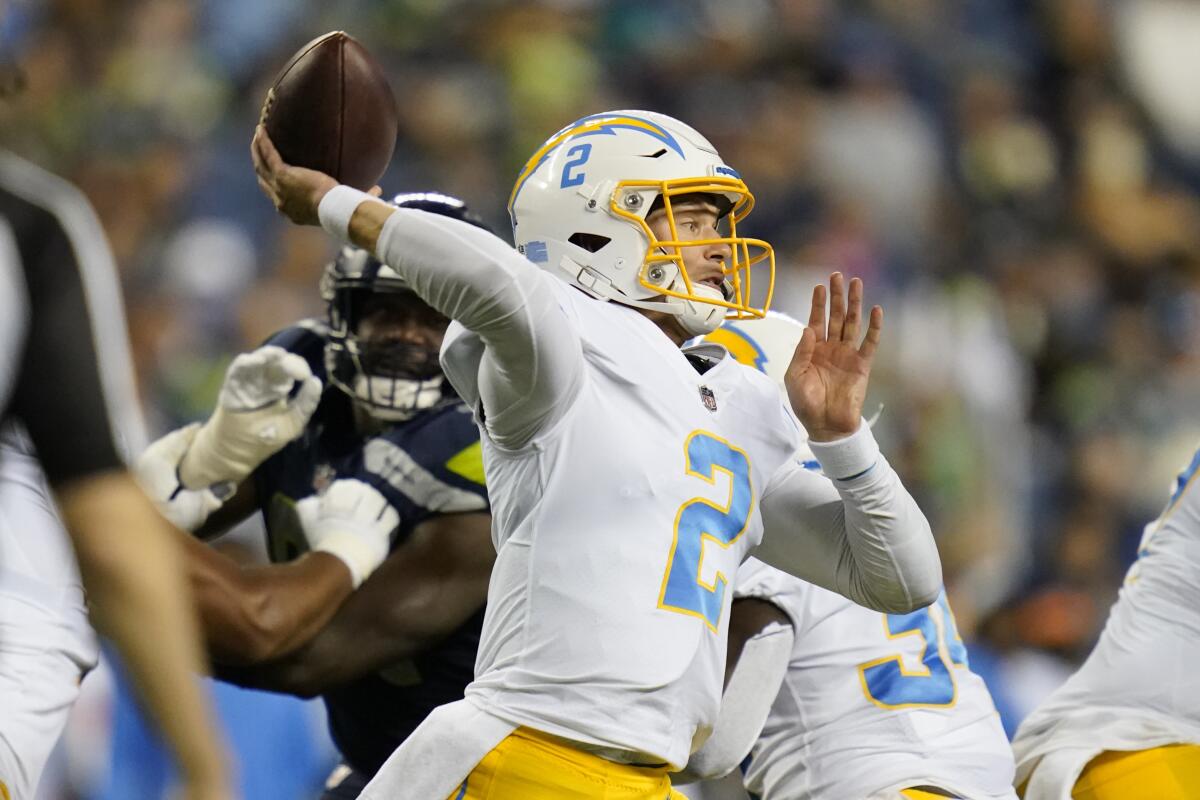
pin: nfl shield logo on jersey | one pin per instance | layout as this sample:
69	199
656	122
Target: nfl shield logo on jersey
708	398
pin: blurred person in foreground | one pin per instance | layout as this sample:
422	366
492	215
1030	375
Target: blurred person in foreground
825	698
366	467
1126	725
69	410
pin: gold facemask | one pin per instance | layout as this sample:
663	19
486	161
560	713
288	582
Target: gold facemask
744	251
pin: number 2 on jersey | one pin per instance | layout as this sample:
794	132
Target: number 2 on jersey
699	521
887	684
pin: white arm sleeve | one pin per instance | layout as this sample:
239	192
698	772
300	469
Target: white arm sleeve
532	366
745	704
861	536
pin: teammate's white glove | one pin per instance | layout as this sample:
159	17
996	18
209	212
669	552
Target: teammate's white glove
352	521
254	419
157	470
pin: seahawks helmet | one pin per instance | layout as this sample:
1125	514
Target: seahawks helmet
393	380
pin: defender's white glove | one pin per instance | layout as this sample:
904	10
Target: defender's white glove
157	470
254	419
352	521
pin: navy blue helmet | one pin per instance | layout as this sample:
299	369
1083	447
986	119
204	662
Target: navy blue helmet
393	378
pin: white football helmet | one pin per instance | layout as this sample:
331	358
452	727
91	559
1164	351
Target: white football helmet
579	208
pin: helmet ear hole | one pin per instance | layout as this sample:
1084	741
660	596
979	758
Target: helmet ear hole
592	242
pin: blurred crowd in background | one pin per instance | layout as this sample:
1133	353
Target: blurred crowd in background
1016	181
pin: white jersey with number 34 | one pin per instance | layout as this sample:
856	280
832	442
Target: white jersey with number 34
873	702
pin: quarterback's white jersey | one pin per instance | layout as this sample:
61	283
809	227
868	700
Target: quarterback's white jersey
1140	687
627	486
872	702
618	531
622	528
46	644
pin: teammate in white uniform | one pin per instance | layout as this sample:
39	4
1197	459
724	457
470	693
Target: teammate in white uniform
1127	724
46	643
628	479
868	704
873	705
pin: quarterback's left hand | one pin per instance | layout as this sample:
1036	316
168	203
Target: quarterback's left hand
157	470
827	379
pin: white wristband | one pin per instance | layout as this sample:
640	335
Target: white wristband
847	457
337	207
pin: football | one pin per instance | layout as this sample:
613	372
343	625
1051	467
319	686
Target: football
331	109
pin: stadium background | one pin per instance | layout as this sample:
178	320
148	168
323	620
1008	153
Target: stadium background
1015	180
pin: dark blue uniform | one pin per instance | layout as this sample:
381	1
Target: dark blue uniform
426	466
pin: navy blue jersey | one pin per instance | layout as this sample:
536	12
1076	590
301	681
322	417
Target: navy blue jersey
426	466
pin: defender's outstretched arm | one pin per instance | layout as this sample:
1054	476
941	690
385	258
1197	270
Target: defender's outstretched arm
428	587
249	615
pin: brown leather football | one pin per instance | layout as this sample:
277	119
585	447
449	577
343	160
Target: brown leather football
331	109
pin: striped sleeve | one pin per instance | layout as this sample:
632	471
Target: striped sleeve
75	388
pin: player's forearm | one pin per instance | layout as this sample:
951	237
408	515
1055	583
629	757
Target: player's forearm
355	645
250	615
896	564
464	272
327	662
136	595
866	539
378	626
425	590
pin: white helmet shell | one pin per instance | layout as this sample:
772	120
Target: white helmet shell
579	208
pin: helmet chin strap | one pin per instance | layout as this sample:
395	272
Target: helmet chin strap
696	318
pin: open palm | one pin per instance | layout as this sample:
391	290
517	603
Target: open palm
827	379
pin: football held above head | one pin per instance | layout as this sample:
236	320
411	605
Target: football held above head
630	477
